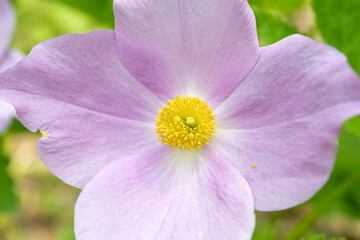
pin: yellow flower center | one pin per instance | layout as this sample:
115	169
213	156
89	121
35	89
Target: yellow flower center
187	122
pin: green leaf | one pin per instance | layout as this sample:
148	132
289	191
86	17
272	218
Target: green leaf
270	28
338	22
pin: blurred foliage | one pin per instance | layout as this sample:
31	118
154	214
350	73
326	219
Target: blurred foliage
321	237
339	22
279	5
40	20
271	28
45	209
46	204
101	10
8	199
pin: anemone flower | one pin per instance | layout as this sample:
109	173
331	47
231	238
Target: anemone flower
7	57
177	125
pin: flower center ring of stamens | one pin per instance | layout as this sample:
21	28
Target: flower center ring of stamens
187	123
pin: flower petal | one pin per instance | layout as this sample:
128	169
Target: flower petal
166	194
285	118
75	88
178	47
285	164
7	112
7	24
293	78
10	58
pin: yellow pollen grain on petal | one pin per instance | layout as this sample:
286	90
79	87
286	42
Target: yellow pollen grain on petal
185	123
44	134
254	165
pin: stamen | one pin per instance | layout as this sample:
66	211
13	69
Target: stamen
177	119
187	122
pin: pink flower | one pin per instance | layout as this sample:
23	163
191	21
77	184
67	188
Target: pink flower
96	98
7	57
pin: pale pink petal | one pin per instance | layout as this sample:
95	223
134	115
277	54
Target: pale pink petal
166	194
178	47
94	111
285	118
293	78
7	24
10	58
293	160
7	112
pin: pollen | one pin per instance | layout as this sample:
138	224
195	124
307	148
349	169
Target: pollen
44	134
186	123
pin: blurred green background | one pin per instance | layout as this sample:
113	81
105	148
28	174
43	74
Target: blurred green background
35	205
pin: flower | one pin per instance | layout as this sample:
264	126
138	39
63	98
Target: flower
7	58
177	125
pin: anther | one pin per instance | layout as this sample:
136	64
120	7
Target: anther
177	119
190	122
